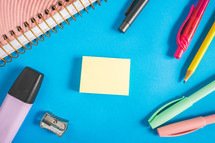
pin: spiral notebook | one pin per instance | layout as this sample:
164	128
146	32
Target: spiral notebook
25	22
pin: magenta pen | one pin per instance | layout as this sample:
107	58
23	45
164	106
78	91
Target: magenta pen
18	102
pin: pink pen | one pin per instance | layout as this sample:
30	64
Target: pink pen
18	102
189	27
185	127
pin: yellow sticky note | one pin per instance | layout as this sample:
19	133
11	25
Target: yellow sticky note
105	75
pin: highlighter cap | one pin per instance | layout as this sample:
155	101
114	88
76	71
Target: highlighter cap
27	85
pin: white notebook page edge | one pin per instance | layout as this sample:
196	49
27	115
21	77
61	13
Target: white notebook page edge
44	27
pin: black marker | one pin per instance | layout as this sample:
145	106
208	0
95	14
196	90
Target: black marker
131	14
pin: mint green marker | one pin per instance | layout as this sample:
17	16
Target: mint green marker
175	107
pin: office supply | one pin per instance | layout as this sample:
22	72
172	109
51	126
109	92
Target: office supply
189	27
54	124
18	102
131	14
24	22
200	53
175	107
154	76
105	75
185	127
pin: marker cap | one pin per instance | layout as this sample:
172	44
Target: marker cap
181	128
27	85
169	111
185	127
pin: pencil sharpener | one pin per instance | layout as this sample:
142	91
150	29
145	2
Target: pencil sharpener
54	124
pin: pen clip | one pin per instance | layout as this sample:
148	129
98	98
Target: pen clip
183	133
182	26
130	7
163	107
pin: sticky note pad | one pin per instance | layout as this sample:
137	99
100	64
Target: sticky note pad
105	75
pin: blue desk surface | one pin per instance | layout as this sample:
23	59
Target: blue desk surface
156	77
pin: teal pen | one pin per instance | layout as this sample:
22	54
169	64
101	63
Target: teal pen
175	107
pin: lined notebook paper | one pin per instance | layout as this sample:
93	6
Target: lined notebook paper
14	13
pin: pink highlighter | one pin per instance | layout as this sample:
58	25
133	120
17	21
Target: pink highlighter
189	27
185	127
18	102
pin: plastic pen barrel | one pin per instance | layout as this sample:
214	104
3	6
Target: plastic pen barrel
203	92
195	19
18	102
189	27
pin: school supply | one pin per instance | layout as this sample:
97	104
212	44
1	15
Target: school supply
54	124
131	14
200	53
27	21
175	107
18	102
189	27
185	127
105	75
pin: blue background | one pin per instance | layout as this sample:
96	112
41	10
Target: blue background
156	77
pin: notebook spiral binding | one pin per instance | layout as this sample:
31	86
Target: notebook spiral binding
48	34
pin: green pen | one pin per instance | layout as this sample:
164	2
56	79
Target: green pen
175	107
